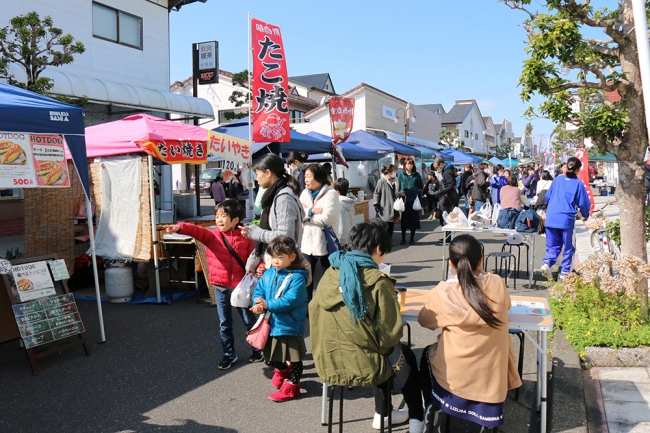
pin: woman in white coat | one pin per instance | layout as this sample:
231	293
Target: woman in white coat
322	208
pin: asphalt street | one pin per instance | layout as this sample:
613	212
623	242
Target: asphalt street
158	372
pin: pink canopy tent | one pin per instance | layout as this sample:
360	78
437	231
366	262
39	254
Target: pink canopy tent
124	136
141	133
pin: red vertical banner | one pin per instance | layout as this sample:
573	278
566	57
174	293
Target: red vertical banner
270	84
581	154
342	119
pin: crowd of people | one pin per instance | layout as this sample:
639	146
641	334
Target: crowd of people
353	312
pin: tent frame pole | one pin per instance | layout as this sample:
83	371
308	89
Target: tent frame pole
154	235
91	234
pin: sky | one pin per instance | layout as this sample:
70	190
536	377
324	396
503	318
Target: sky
424	51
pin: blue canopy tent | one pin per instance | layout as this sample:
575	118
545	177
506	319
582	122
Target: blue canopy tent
28	112
494	160
371	141
462	157
302	142
350	151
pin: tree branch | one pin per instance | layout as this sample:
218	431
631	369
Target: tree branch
515	5
598	41
575	85
608	51
578	11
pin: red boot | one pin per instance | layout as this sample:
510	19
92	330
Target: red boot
279	376
288	391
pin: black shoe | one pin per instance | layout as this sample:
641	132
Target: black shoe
440	243
412	242
402	242
256	356
227	362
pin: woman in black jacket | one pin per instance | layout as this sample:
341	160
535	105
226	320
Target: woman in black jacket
447	194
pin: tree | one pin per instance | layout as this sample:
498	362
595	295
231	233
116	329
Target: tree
238	97
555	39
527	142
450	137
35	45
503	147
565	140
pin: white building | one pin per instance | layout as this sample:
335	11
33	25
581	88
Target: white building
125	68
504	134
466	117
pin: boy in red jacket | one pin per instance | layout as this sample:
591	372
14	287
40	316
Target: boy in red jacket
226	270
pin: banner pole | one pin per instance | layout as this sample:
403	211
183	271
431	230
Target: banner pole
251	192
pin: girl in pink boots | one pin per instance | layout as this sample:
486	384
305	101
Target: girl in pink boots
282	291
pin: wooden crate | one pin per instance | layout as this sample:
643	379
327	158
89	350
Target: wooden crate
361	208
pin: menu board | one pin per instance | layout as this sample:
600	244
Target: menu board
32	160
33	281
49	319
59	270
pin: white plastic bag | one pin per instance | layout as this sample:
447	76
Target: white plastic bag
399	205
486	211
416	204
495	214
241	295
455	218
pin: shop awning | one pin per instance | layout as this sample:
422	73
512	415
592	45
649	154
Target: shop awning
608	157
123	95
415	141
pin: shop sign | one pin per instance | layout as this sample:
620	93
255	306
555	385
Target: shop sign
206	62
387	112
48	319
229	148
32	161
177	151
33	281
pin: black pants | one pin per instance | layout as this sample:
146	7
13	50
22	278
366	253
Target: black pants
411	390
442	224
313	260
391	228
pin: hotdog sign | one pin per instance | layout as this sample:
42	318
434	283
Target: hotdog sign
32	161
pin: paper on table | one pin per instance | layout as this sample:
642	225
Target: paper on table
528	307
176	236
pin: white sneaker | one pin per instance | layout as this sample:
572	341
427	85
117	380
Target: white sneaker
398	417
546	270
416	426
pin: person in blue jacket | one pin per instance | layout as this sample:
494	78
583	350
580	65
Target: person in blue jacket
282	291
563	197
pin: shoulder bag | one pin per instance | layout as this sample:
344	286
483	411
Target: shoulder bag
259	333
233	252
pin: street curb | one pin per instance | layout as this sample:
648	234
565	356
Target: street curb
623	357
596	417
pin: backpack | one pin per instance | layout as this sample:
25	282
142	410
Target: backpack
507	217
527	221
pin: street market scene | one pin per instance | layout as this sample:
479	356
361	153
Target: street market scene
200	234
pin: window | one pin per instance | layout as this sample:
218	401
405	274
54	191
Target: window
11	193
466	134
296	116
117	26
476	136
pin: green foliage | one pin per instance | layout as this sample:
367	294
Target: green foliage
13	253
613	228
238	97
591	317
35	45
450	137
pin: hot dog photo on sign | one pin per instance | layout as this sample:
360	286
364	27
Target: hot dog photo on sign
49	160
11	153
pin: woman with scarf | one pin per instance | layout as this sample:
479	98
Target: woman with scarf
410	186
298	160
356	326
322	208
281	210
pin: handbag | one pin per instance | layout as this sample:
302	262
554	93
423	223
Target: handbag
416	204
259	333
333	244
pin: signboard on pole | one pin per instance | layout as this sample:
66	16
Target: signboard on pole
32	161
342	118
270	82
206	62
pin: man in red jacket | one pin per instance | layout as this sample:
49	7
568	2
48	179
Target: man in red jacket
227	251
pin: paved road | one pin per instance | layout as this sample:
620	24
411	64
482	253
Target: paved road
158	372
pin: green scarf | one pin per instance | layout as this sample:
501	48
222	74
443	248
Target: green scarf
349	262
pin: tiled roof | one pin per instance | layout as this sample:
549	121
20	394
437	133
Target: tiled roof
433	108
457	114
317	81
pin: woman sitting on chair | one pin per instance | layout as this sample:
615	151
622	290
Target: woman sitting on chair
471	366
356	325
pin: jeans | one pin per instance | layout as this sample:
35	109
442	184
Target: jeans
466	207
478	204
225	320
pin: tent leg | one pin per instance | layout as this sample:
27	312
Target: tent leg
91	234
154	237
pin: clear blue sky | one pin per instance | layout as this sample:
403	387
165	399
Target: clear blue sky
423	51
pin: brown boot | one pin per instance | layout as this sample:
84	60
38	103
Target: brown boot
279	376
288	391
